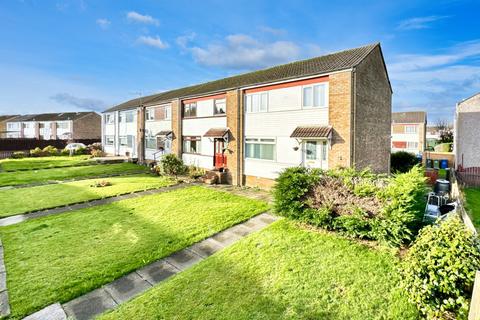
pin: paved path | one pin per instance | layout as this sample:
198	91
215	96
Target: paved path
123	289
86	204
4	304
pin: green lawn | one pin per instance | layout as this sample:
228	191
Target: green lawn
12	200
282	272
44	175
43	162
58	258
473	205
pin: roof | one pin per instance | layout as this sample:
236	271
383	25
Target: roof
320	65
7	117
52	116
216	132
311	132
164	133
409	117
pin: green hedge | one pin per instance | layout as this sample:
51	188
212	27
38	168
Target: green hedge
400	201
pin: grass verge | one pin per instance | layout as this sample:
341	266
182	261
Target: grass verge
282	272
472	196
43	162
58	258
45	175
12	201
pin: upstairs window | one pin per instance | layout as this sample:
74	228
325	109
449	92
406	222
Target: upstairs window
190	110
127	117
192	145
62	125
219	106
109	118
257	102
150	114
411	129
168	112
315	96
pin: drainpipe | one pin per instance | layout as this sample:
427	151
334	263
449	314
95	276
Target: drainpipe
353	118
239	138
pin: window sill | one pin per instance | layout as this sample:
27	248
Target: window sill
309	108
260	160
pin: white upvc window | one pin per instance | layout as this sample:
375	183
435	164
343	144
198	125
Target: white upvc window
411	129
219	106
315	96
168	112
127	116
109	118
109	140
123	141
150	114
256	102
260	148
412	145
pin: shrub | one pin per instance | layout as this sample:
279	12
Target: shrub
291	188
18	155
195	172
321	217
50	151
37	152
65	152
402	161
172	165
80	151
95	146
439	270
95	153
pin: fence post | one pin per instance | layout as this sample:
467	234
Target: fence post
474	313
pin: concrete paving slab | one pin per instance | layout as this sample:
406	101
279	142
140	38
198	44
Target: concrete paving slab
183	259
52	312
4	305
267	218
3	281
12	220
241	230
206	248
89	305
226	238
157	272
127	287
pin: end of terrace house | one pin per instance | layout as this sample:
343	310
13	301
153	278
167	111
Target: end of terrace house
329	111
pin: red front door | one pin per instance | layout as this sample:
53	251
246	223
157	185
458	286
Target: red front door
220	159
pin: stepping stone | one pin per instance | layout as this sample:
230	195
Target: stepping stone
205	248
183	259
157	272
52	312
127	287
89	305
226	238
4	305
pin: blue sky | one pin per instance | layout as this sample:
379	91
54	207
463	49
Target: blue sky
71	55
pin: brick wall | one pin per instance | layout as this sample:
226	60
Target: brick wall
177	127
373	115
234	105
88	127
340	117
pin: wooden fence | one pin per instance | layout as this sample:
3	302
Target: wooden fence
469	177
23	144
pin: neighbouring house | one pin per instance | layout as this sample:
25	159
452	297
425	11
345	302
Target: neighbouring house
433	137
409	131
4	128
54	126
324	112
467	132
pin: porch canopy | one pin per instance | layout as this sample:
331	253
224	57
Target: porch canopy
217	133
165	134
312	132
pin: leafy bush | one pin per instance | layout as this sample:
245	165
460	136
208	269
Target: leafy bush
18	155
195	172
291	188
37	152
439	270
50	151
94	146
80	151
402	161
95	153
172	165
65	152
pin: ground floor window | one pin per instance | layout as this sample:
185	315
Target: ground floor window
412	145
109	140
123	141
260	148
151	143
192	145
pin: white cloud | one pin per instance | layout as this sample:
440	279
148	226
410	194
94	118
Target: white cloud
140	18
240	51
80	103
103	23
419	22
184	40
273	31
152	41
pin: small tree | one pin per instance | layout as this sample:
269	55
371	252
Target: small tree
402	161
446	132
172	165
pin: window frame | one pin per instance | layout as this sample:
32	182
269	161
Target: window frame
215	112
312	87
151	138
258	95
120	138
410	126
107	137
412	148
189	106
109	118
198	139
261	141
149	114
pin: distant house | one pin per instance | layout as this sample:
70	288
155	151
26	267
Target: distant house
3	124
329	111
409	131
467	132
52	126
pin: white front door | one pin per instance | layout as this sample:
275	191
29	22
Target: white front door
315	154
